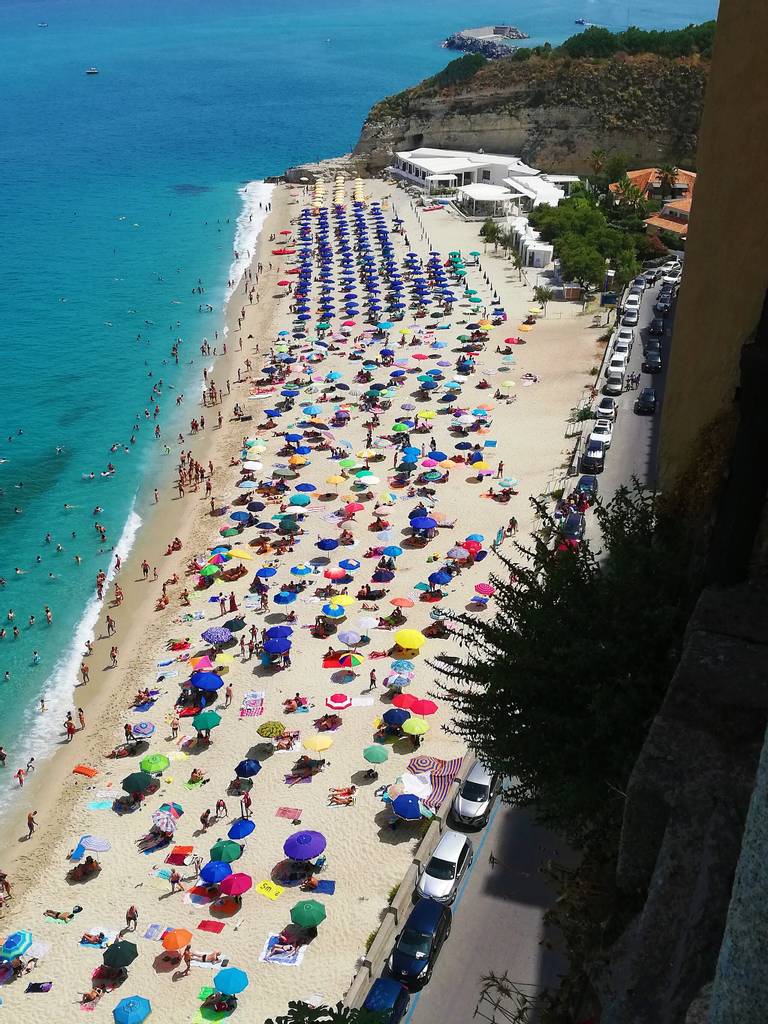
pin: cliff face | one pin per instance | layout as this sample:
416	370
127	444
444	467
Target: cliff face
551	112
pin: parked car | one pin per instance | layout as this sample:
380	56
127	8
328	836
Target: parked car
652	362
645	403
593	458
472	804
652	345
663	304
388	998
631	317
651	276
614	384
656	327
441	876
673	277
606	408
573	527
624	334
622	348
418	945
602	431
616	364
639	282
633	300
588	486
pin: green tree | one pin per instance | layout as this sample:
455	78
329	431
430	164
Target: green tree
490	232
543	295
626	268
580	261
557	690
517	263
668	179
597	161
616	166
302	1013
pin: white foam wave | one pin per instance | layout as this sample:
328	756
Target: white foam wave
255	195
43	731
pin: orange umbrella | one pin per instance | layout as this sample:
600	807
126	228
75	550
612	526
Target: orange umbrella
402	602
176	938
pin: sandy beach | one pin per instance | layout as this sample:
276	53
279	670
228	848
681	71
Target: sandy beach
365	857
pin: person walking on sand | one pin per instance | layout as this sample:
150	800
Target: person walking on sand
245	805
175	879
131	918
187	957
221	809
81	717
174	727
85	672
113	656
205	819
228	695
31	823
19	775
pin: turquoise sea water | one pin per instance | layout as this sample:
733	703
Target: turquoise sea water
120	191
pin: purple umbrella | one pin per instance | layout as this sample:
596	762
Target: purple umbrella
304	845
217	635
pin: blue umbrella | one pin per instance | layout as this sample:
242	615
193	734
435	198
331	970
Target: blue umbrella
350	564
327	544
275	632
403	665
392	551
266	572
240	517
396	716
241	828
255	506
217	635
306	488
142	729
383	576
247	769
206	681
278	645
423	523
301	570
215	871
439	579
406	806
230	981
285	597
132	1010
16	944
333	611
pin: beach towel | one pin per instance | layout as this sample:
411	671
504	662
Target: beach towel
39	986
179	855
362	702
325	885
109	935
84	769
296	780
252	705
198	896
141	708
290	959
99	805
442	773
154	932
79	850
205	992
212	926
292	813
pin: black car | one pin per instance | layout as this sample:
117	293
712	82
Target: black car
645	404
574	526
587	486
652	345
593	459
419	943
663	305
656	327
652	362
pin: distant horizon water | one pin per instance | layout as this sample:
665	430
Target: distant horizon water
123	190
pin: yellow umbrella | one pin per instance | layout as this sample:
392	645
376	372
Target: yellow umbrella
222	658
335	480
237	553
404	330
345	600
508	385
479	465
428	414
318	743
410	639
525	327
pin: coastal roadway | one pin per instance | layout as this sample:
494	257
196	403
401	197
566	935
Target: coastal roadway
498	923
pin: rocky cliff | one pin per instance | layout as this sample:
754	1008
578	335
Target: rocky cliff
551	111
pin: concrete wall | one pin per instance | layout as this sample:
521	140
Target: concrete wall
726	272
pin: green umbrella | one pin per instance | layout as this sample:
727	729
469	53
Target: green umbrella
415	727
206	720
211	570
154	763
347	463
137	782
465	337
271	730
308	914
398	428
226	850
120	954
474	253
376	754
229	532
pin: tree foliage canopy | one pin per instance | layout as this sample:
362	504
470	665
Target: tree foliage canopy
558	690
600	42
303	1013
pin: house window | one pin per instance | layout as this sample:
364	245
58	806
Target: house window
486	176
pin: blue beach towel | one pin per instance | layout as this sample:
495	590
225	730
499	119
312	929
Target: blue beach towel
326	886
99	805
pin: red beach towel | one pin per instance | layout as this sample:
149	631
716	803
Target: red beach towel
211	926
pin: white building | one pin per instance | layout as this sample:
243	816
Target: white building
527	242
484	184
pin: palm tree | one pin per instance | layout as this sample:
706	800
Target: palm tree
490	231
667	179
627	194
543	295
597	160
517	263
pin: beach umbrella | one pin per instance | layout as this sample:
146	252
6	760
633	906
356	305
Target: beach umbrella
423	523
16	944
422	706
153	764
403	665
416	727
270	730
96	844
396	681
206	720
225	850
392	551
335	573
486	589
350	638
230	981
304	845
278	645
401	602
404	700
176	938
406	806
212	570
338	701
237	553
247	769
143	729
301	570
208	681
333	611
439	579
215	871
266	573
285	597
350	564
217	635
132	1010
165	821
308	914
327	544
279	632
236	884
137	782
351	660
376	754
120	954
410	639
342	600
241	828
318	743
395	717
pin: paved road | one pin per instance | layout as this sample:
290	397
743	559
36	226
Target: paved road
635	442
498	923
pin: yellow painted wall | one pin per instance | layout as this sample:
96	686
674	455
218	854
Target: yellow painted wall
726	264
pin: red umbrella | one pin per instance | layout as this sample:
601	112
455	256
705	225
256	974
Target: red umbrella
486	589
473	546
354	506
338	702
422	706
401	602
236	884
335	573
286	232
405	701
282	284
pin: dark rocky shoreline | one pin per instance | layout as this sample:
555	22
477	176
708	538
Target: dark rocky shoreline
487	47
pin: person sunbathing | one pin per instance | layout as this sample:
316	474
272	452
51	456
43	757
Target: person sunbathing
327	723
340	800
91	939
206	958
141	698
197	775
92	995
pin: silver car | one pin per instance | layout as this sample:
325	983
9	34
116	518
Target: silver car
472	804
442	874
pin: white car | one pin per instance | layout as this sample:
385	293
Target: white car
614	384
633	301
606	409
673	277
472	804
442	874
624	334
616	364
631	318
602	431
621	348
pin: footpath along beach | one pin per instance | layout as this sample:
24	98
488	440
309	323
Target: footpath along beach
365	467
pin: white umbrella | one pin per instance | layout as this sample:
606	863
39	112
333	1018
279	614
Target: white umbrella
419	785
252	466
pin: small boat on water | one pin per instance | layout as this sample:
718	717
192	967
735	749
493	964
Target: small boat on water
42	24
582	21
91	71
